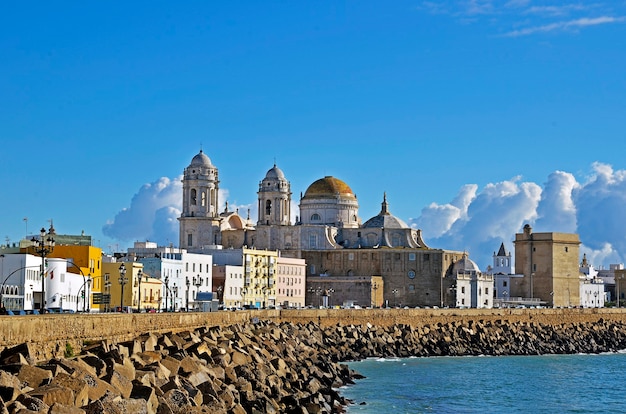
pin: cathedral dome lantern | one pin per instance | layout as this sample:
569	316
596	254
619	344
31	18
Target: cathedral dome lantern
385	219
330	201
274	198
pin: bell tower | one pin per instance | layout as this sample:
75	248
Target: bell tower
200	220
274	199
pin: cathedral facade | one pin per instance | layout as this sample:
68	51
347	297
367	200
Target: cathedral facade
328	233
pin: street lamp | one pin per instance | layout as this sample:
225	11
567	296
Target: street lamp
329	292
139	277
167	289
174	299
617	293
395	292
107	295
318	292
188	283
220	289
43	247
197	283
122	280
243	295
374	288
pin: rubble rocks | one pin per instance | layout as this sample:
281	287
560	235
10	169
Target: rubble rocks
262	367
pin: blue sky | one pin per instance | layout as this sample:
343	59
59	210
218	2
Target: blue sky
475	117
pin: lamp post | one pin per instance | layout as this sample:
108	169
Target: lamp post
107	295
174	298
220	289
395	292
43	247
374	299
122	280
197	283
167	291
188	283
617	293
329	292
318	292
243	296
139	277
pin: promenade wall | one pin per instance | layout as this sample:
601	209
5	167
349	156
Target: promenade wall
48	336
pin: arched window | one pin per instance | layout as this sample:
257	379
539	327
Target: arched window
268	207
315	217
193	197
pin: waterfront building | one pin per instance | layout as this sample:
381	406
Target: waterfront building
290	282
260	270
549	263
231	280
185	275
473	288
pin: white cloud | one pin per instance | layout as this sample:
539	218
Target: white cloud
593	209
562	10
566	25
150	211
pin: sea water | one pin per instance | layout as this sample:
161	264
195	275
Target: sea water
485	384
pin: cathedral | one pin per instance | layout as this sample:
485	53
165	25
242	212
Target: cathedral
328	233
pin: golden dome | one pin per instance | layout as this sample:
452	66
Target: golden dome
329	187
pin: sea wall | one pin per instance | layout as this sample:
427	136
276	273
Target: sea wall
259	362
49	335
265	366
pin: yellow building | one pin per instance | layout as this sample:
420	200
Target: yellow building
260	268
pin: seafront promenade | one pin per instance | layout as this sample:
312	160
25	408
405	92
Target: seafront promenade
48	335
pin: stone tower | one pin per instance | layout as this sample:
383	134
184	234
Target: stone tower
274	197
200	219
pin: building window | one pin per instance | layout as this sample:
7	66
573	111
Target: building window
411	274
566	249
203	199
426	257
313	241
315	217
350	256
189	240
462	289
504	283
194	197
412	257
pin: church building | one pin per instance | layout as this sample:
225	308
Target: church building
328	234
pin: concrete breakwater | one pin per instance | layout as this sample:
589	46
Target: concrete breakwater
263	366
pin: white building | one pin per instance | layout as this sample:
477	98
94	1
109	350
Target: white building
502	272
593	292
231	278
473	288
184	274
21	284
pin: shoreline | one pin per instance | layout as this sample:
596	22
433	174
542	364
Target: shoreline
264	365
